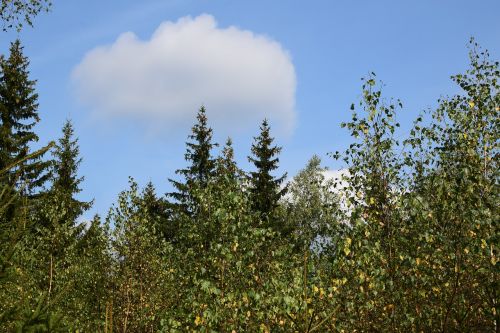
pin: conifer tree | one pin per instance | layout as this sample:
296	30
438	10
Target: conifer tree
158	212
201	167
65	168
18	116
265	189
226	168
151	201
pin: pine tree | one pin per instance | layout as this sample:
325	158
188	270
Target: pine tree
265	189
18	116
201	167
65	168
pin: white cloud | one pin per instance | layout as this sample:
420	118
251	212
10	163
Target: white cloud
240	77
339	176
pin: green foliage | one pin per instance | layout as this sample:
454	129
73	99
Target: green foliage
265	189
238	283
14	13
312	207
226	169
406	240
65	182
421	252
18	114
141	265
20	310
201	167
456	198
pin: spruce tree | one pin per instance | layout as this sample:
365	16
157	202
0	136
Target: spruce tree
158	213
18	116
265	189
202	164
151	201
226	168
65	172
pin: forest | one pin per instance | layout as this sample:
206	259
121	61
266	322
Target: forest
405	240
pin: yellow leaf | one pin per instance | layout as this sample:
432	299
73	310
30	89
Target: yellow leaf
471	104
347	244
197	320
418	261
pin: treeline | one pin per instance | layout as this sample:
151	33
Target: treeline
406	240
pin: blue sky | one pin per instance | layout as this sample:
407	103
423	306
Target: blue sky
311	54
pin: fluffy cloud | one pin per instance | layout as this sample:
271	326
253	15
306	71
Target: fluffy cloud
239	76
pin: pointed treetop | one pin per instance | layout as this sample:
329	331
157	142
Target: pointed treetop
65	172
265	189
18	115
201	164
226	167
